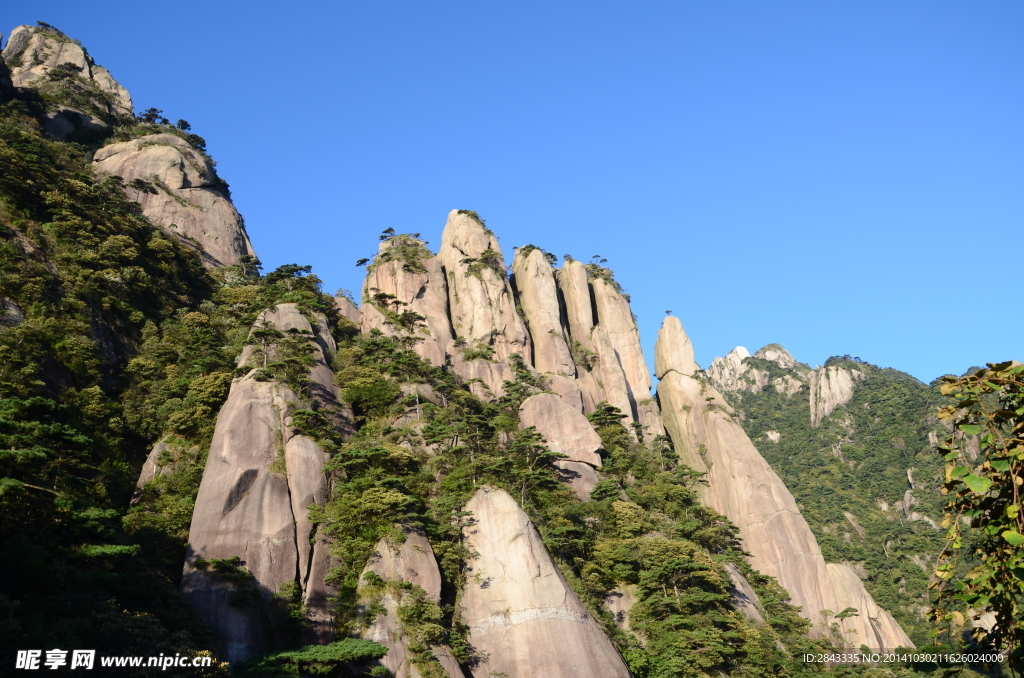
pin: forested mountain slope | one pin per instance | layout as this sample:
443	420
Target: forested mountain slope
855	444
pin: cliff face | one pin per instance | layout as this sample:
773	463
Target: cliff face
183	195
260	479
522	615
744	488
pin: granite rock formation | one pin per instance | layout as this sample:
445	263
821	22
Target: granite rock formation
831	387
411	561
185	197
261	477
744	488
523	617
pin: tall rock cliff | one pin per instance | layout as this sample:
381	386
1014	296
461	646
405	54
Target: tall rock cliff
483	309
523	617
830	388
260	479
405	278
744	488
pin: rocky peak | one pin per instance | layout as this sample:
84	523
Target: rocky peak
673	349
32	52
481	303
778	355
537	292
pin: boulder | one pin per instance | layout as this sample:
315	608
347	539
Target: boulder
152	468
565	429
582	478
480	300
411	561
619	601
523	618
260	479
830	388
416	285
731	373
348	310
744	598
538	296
187	199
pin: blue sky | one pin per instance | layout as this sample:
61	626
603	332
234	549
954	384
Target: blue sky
837	177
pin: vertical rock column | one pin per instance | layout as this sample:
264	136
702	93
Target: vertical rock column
744	488
261	476
567	432
603	379
417	285
537	292
482	307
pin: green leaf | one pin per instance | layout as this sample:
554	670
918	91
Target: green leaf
970	429
1000	464
1015	538
960	471
977	483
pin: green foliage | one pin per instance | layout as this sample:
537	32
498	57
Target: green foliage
488	259
478	219
404	248
583	356
984	490
525	250
314	660
595	271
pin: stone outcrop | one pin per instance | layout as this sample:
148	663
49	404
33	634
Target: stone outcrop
872	626
413	562
483	311
582	478
743	487
348	311
830	388
615	320
743	595
260	478
565	429
673	350
32	52
538	296
152	468
523	617
185	197
414	284
602	377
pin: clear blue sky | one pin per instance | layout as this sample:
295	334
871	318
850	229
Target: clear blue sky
837	177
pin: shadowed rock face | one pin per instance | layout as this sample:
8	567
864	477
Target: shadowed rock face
538	296
744	488
419	288
523	617
32	52
261	476
188	202
565	429
412	561
480	300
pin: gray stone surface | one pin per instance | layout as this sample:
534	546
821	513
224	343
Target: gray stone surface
523	617
565	429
